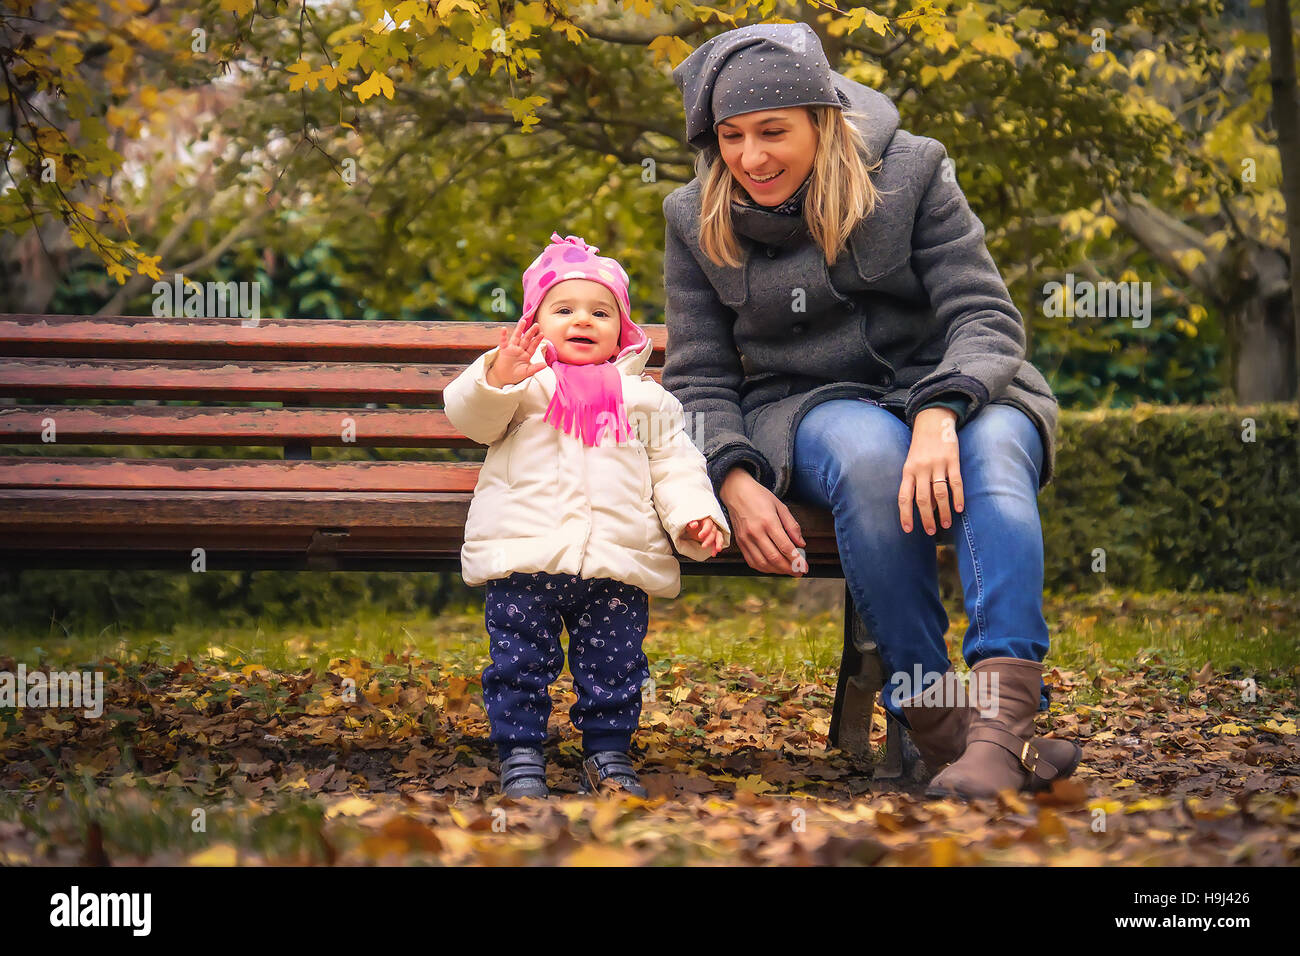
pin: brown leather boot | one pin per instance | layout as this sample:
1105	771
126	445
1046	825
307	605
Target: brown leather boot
1000	752
938	731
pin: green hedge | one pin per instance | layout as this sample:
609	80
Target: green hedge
1173	495
1176	498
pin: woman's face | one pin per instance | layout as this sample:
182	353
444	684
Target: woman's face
580	318
770	152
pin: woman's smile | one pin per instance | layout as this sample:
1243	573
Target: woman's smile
762	182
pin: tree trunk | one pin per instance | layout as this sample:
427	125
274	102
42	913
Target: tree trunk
1263	333
1248	281
1286	117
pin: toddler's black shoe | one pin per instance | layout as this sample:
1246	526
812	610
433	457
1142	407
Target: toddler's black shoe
609	765
523	774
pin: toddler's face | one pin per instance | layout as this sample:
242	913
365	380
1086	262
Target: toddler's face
580	318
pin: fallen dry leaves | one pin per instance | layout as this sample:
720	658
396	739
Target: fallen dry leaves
737	766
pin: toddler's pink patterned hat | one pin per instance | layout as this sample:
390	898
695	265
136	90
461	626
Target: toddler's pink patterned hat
572	258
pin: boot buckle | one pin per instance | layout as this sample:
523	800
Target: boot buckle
1029	756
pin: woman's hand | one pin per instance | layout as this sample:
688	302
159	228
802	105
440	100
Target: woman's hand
706	531
514	361
932	457
761	524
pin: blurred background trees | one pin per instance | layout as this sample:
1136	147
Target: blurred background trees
407	159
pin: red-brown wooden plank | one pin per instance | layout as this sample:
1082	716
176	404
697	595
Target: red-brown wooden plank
199	425
337	340
69	509
353	477
318	383
305	382
27	515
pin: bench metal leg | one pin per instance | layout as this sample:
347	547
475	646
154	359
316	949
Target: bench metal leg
861	678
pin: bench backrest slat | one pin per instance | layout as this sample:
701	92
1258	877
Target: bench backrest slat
294	340
200	425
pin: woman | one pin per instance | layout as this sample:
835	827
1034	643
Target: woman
849	343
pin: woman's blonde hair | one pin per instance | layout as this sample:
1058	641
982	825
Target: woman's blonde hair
840	193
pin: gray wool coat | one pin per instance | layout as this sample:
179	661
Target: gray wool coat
913	310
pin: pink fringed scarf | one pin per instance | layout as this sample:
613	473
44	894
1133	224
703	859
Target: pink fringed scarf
588	402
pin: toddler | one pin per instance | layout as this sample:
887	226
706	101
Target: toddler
588	482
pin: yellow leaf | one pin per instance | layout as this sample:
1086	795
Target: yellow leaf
996	43
119	272
1150	803
1230	729
66	57
351	807
349	53
598	855
222	854
1272	726
237	7
148	266
303	75
50	722
754	783
943	852
533	14
447	7
522	109
331	76
1189	259
377	83
405	10
673	49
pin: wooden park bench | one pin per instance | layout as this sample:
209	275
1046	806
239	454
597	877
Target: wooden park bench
320	383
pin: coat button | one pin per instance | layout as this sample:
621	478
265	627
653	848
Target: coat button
850	307
887	378
798	328
772	252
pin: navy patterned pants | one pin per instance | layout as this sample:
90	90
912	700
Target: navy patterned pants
606	620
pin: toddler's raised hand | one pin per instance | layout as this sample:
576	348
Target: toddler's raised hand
707	531
514	361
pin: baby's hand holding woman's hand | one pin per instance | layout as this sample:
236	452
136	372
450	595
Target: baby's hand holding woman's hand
514	361
706	531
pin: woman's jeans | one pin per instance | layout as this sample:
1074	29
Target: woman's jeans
848	458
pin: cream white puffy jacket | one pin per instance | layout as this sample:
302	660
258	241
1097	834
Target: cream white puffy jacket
544	501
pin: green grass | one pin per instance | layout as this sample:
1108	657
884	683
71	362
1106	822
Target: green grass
741	622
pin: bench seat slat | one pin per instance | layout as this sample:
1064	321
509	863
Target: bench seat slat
245	381
196	425
236	474
28	516
278	339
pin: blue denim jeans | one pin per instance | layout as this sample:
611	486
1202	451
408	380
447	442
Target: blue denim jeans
848	458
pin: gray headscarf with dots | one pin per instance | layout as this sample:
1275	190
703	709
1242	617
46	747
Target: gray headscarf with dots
762	67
